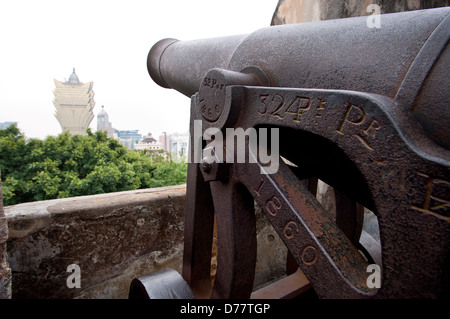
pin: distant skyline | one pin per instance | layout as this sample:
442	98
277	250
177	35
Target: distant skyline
107	42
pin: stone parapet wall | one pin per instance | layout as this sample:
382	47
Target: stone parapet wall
5	271
112	238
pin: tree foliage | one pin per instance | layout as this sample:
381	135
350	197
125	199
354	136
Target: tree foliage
74	165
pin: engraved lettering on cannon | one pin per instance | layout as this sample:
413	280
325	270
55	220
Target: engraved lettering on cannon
298	106
290	229
434	202
281	106
356	116
320	107
273	205
211	104
309	255
258	191
213	83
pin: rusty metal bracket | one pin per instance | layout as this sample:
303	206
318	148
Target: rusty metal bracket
376	157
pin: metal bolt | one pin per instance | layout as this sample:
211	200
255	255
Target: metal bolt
205	165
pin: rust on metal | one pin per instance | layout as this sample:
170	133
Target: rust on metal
290	287
351	106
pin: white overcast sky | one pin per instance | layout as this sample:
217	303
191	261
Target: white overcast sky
106	42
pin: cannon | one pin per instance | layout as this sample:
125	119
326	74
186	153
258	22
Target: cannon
362	109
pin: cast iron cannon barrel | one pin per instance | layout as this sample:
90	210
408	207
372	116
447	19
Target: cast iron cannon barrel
405	59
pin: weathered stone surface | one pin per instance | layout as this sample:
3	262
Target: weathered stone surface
110	236
5	271
271	252
296	11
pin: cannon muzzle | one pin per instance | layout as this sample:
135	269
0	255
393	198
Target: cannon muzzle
405	59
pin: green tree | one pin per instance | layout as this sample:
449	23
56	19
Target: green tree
74	165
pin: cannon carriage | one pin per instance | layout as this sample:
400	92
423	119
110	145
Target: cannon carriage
364	110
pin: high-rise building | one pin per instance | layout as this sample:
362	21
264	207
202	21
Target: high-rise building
74	102
128	137
103	123
176	144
